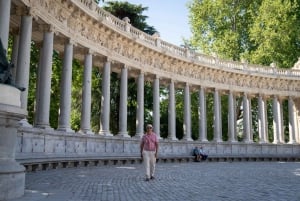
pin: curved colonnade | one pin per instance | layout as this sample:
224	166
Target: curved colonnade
79	29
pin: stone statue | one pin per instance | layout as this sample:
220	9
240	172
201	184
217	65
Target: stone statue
5	69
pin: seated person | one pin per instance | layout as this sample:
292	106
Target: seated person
196	153
202	153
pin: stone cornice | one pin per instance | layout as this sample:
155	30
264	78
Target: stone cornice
87	25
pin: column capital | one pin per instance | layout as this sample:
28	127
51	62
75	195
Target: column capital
279	98
71	41
108	59
157	76
125	66
292	98
141	72
20	10
262	95
203	87
45	28
231	91
90	51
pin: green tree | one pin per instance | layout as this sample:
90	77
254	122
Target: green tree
55	88
261	31
133	12
221	26
76	103
275	34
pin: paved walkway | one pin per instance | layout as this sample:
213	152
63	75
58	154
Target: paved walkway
211	181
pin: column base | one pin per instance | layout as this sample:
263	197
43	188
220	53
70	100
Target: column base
218	140
67	130
292	142
124	134
24	123
138	135
12	180
105	133
43	126
188	139
262	142
173	138
86	132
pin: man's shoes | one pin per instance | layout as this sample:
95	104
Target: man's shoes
147	179
152	177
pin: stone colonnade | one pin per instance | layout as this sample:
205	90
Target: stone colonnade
50	37
80	29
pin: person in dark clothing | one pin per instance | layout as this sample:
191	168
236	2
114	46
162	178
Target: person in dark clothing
196	153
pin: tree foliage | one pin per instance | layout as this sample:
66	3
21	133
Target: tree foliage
133	12
275	34
220	26
260	31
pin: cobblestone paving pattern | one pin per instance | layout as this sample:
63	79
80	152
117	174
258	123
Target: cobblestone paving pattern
207	181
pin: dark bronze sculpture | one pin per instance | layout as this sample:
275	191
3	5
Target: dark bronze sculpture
5	69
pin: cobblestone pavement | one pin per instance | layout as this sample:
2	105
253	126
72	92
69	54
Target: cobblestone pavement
213	181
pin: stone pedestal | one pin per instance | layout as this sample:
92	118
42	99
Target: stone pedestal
12	174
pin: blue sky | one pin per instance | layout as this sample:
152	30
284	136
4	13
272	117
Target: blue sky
169	17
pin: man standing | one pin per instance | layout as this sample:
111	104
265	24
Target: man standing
149	149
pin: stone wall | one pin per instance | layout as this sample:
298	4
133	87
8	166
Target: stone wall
36	143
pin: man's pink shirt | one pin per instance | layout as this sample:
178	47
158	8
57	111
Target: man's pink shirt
149	142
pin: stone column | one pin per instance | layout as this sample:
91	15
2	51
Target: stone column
156	107
292	128
140	106
277	121
4	21
105	100
187	114
281	137
202	115
246	118
231	118
12	174
123	103
85	124
66	90
172	113
262	118
217	117
23	68
44	82
15	51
